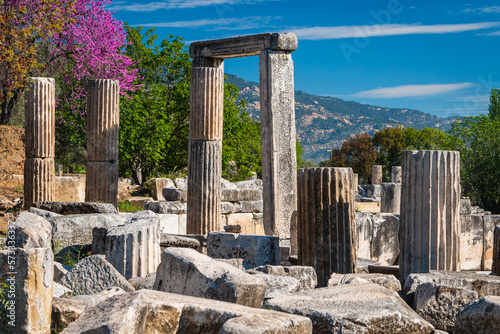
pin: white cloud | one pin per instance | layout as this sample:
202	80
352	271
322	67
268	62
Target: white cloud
250	22
412	90
495	33
176	4
321	33
484	10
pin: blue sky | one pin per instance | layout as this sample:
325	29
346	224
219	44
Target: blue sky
441	57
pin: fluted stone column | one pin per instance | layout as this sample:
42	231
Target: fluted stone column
39	171
205	146
430	201
390	197
496	251
326	221
396	174
278	141
376	174
134	248
103	115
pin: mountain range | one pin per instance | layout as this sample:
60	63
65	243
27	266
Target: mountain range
324	122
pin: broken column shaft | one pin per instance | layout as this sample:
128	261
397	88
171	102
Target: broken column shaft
39	171
430	201
103	115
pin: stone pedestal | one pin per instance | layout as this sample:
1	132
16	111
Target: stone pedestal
376	174
390	198
396	174
134	248
278	141
40	140
205	146
430	202
103	113
326	221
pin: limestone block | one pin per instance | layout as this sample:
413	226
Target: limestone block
174	194
94	274
390	198
364	231
252	206
180	182
207	103
258	222
60	291
59	271
185	271
69	189
376	174
99	297
230	207
30	231
480	316
277	285
371	191
387	281
396	174
471	241
255	250
39	178
245	220
490	221
353	308
147	311
156	187
225	184
165	207
65	311
237	263
238	195
134	248
29	274
306	275
182	223
103	121
385	245
278	137
440	305
43	213
169	240
465	206
204	193
496	252
76	208
169	223
102	182
430	202
39	111
326	221
249	184
140	283
484	285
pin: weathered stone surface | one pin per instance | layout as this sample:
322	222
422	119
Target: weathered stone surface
174	194
60	291
396	174
103	118
185	271
387	281
430	202
237	263
465	206
29	275
353	308
490	221
484	285
326	221
69	189
170	240
496	252
101	182
390	198
156	187
249	184
99	297
169	223
181	182
165	207
305	275
471	241
238	195
385	245
232	228
255	250
77	229
43	213
225	184
243	46
39	111
31	231
480	316
252	206
278	137
39	179
59	271
134	248
76	208
140	283
148	311
376	174
65	311
364	233
276	285
204	193
439	305
92	275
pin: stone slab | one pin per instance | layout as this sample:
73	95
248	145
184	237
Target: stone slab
480	316
165	207
30	231
174	194
387	281
76	208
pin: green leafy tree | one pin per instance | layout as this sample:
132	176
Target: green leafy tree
494	108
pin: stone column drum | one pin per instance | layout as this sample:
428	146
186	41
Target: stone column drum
39	171
326	221
390	197
430	203
376	174
205	146
278	142
396	174
103	115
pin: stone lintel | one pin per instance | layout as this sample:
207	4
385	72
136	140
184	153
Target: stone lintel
244	46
